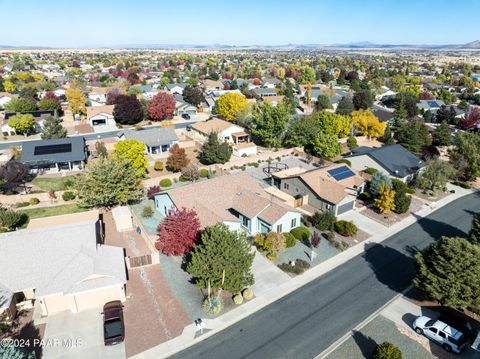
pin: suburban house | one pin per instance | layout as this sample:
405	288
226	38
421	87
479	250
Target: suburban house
6	97
64	154
65	267
265	92
272	100
182	107
237	200
333	187
158	141
98	96
101	117
394	160
39	117
227	132
212	85
175	88
430	105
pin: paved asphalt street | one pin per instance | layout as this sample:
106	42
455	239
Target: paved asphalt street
306	322
90	136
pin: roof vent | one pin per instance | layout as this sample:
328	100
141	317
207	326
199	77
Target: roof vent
239	193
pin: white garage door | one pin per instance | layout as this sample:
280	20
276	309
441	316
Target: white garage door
96	298
57	304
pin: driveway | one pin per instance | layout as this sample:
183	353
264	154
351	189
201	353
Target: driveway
152	313
78	335
363	222
404	312
267	275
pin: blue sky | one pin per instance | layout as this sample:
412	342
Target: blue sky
241	22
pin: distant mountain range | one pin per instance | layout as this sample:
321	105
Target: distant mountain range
474	45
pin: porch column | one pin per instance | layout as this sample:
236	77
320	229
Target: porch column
69	165
56	166
43	307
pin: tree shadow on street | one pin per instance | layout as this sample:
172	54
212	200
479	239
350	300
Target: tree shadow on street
437	229
366	344
391	267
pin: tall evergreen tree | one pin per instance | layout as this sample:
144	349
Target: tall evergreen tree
387	137
222	260
215	151
442	135
345	106
449	272
52	128
474	234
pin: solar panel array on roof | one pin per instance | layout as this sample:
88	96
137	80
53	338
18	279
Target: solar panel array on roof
51	149
433	104
341	173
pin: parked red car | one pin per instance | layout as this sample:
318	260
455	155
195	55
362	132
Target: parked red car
113	326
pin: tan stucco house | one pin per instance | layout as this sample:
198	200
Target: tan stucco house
66	267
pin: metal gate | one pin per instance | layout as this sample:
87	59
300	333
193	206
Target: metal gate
140	261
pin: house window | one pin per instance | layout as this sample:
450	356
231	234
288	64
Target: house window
294	223
279	228
245	221
286	186
165	209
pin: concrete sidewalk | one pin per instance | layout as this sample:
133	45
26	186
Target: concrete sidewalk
189	338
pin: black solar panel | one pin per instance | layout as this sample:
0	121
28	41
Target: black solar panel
338	170
51	149
341	173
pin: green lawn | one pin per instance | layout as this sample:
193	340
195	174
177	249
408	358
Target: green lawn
57	183
51	211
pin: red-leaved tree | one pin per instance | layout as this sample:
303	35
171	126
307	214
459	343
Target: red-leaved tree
471	118
178	232
162	106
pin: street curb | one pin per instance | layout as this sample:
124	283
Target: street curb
179	343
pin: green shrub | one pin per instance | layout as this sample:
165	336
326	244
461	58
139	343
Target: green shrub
370	170
183	179
212	305
203	173
10	219
462	184
22	204
290	239
34	200
323	220
299	267
247	294
345	228
330	236
238	299
68	195
166	182
158	166
271	256
387	350
147	212
365	196
352	142
343	160
301	233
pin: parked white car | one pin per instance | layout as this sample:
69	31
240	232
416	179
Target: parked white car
448	337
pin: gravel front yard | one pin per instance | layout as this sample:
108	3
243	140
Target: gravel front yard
391	218
363	343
